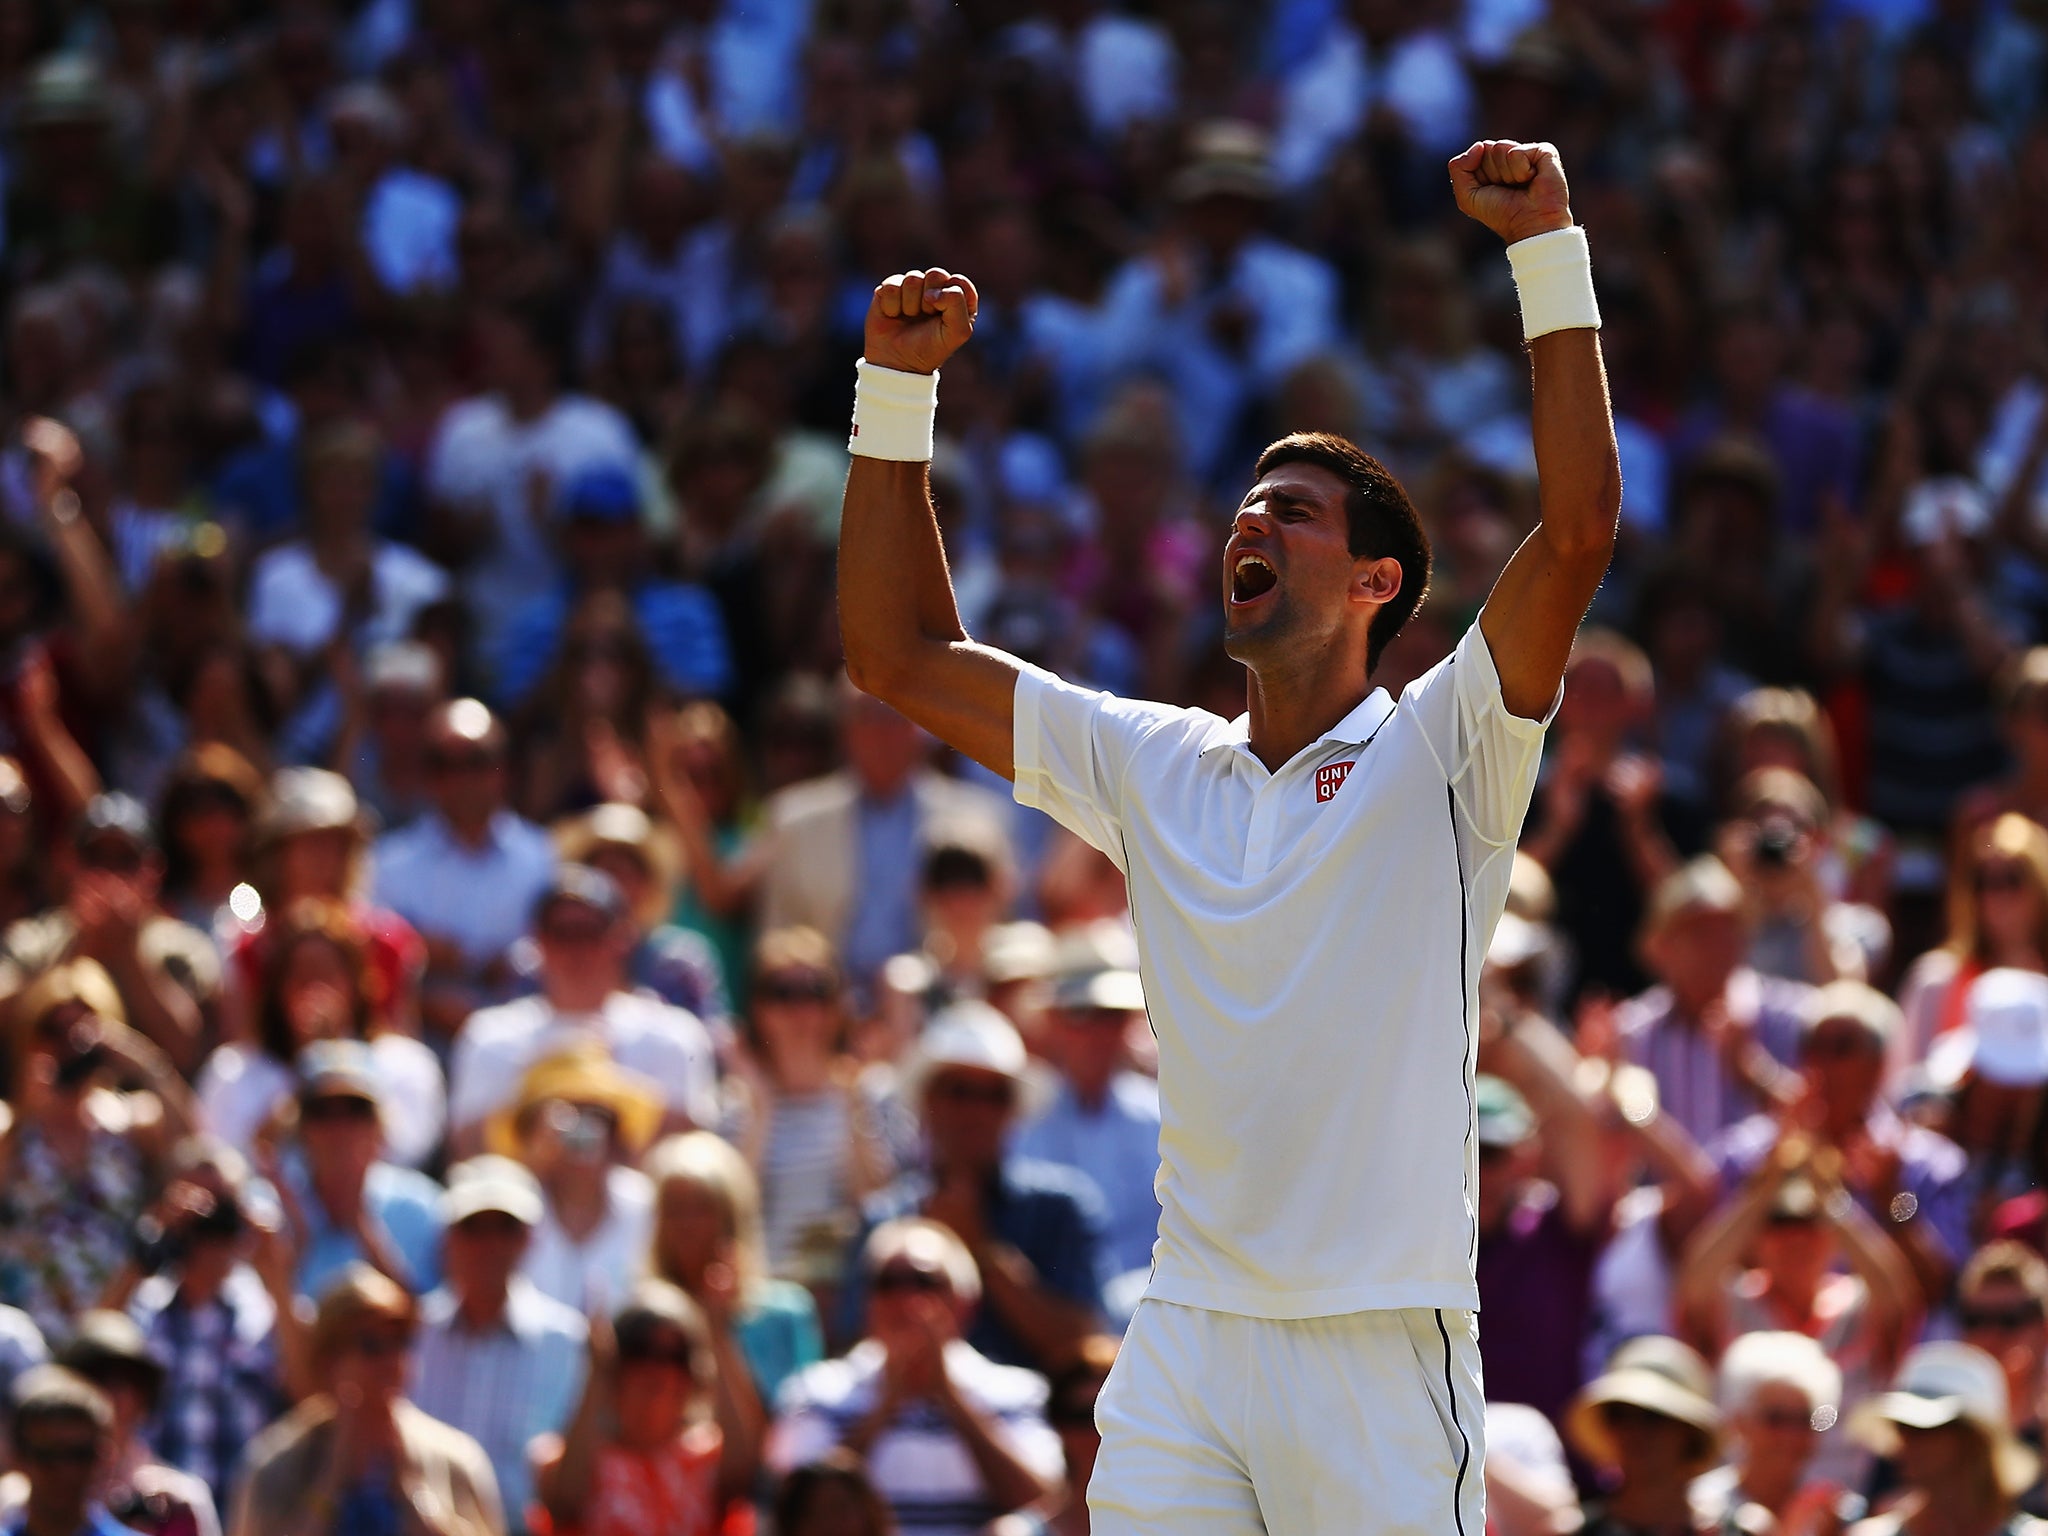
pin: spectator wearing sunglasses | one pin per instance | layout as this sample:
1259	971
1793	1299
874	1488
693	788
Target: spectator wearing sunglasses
496	1358
952	1438
357	1456
1070	1410
1035	1230
668	1434
1649	1423
348	1203
1780	1393
585	934
2000	1299
62	1435
809	1128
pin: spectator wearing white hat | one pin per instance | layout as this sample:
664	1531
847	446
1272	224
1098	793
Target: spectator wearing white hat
1914	1182
1994	1068
1945	1421
1103	1118
1780	1393
495	1357
1034	1229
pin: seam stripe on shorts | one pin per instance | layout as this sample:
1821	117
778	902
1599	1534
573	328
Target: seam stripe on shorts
1464	1002
1464	1440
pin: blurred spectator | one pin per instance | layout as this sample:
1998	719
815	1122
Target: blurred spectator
1775	844
831	1496
109	1351
641	1454
206	820
357	1456
707	1240
346	1203
383	748
1780	1392
585	934
1993	1072
80	1153
2000	1297
954	1438
1945	1421
166	972
1070	1410
811	1131
61	1432
1035	1230
494	1357
580	1124
678	965
1379	72
964	886
1649	1423
844	851
317	983
2023	717
467	873
1103	1118
1717	1036
696	772
1529	1489
215	1300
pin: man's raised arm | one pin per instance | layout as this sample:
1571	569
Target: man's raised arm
1530	619
897	618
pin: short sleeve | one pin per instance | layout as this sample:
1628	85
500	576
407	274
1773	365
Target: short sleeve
1489	753
1072	751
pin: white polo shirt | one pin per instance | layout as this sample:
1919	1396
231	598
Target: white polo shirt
1310	941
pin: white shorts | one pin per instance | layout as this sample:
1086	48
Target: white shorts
1368	1424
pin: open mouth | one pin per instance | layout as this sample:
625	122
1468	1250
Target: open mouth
1252	578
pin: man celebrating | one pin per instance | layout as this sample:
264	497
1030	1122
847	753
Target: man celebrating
1314	886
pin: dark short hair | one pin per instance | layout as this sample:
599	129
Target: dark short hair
49	1394
1383	522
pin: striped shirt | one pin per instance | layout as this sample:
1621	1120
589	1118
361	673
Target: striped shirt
1695	1084
807	1203
222	1380
919	1463
503	1385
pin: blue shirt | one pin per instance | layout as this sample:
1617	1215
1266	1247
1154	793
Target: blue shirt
884	920
405	1203
1116	1145
1054	1216
482	898
682	624
97	1523
777	1331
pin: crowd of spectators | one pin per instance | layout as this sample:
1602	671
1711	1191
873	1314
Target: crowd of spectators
498	1037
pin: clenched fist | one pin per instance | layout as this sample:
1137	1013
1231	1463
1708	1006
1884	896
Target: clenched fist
919	319
1515	190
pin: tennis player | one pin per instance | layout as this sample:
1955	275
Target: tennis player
1313	886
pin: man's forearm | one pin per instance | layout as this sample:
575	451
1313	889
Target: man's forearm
894	589
1578	466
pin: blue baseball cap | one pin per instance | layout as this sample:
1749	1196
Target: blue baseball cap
600	493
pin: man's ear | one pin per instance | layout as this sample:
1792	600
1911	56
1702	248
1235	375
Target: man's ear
1376	581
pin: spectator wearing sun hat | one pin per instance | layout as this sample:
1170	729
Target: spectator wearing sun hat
1946	1424
1035	1229
1781	1393
581	1124
1649	1422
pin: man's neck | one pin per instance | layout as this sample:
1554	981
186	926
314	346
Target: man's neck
470	834
580	1200
577	998
480	1311
1291	707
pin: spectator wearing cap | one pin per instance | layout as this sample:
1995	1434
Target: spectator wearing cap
581	1124
953	1438
678	965
312	838
1103	1118
1772	1260
1914	1182
466	875
357	1455
1017	964
1779	1394
603	544
584	934
339	583
61	1435
810	1127
843	853
495	1357
1035	1230
136	1487
166	972
1545	1206
641	1453
1945	1422
348	1204
2002	1308
384	736
1649	1423
1718	1037
96	1112
317	982
499	459
215	1298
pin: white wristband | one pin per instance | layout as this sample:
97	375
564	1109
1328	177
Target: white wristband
893	414
1554	277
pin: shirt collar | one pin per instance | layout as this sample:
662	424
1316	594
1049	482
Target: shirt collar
1352	731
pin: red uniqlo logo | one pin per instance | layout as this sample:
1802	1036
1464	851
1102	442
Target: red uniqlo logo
1331	779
